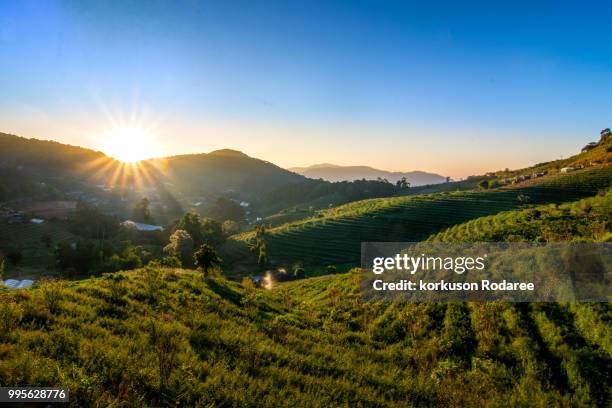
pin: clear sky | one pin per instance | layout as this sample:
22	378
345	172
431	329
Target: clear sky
453	87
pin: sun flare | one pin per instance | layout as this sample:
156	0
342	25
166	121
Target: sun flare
130	144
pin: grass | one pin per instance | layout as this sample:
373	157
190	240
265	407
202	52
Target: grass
333	236
160	338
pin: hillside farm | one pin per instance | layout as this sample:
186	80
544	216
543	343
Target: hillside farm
334	236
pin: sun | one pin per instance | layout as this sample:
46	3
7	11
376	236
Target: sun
129	144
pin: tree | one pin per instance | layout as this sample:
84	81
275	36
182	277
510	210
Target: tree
141	211
170	262
262	258
212	232
402	183
77	256
206	259
1	269
181	245
202	231
226	209
484	184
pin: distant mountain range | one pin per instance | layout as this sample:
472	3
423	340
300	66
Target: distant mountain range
333	172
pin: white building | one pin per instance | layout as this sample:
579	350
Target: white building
140	226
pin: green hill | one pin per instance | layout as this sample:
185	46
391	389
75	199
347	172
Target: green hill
152	337
589	219
334	236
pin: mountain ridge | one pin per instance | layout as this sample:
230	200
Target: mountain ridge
334	172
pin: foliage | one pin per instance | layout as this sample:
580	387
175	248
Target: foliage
335	236
226	209
77	256
589	219
90	222
201	230
206	259
313	342
170	262
127	258
141	211
181	245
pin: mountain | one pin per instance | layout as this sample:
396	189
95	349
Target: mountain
226	171
332	172
33	168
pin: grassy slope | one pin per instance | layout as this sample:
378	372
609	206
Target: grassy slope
589	219
152	337
334	236
146	340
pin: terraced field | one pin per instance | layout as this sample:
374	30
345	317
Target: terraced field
589	219
334	235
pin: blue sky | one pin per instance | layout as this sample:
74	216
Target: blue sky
453	87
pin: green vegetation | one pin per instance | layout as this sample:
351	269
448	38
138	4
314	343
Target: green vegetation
333	236
589	219
27	239
159	335
163	337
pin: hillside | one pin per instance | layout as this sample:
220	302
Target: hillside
151	338
332	172
334	236
589	219
32	168
220	172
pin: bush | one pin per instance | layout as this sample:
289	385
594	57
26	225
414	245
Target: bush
494	184
10	316
52	294
170	262
151	278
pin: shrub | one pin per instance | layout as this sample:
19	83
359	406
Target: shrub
181	246
494	184
10	316
170	262
151	279
51	290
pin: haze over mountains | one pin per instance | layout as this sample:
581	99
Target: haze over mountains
333	172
